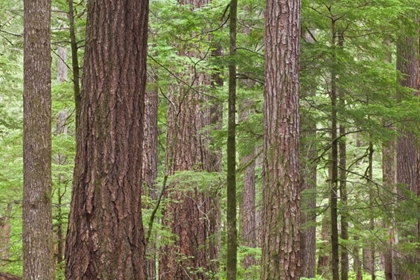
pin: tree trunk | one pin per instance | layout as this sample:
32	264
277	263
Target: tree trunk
308	196
38	260
407	150
192	212
343	195
232	243
281	196
59	159
324	255
357	265
105	237
248	227
150	165
74	61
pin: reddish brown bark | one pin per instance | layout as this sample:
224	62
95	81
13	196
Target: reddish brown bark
248	226
281	199
105	235
150	165
6	276
407	146
192	212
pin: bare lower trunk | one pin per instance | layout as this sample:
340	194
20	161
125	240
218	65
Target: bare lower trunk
105	237
281	172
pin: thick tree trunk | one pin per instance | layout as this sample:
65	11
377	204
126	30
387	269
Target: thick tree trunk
192	211
105	237
38	260
281	196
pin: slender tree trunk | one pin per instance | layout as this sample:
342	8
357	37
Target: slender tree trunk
247	207
105	237
389	182
324	255
231	257
74	61
372	258
308	195
59	159
357	265
150	164
407	144
281	189
334	163
343	194
38	262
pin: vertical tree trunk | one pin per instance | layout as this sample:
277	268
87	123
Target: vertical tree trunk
247	206
357	265
193	211
372	258
407	149
192	208
324	255
281	197
231	255
74	61
150	164
105	237
334	162
343	194
389	182
61	128
36	208
308	196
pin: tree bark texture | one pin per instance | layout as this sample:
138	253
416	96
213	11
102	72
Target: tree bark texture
407	144
36	209
232	235
248	224
105	237
150	164
192	211
7	276
281	197
308	152
389	182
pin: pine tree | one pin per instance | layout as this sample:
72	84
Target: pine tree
105	237
281	190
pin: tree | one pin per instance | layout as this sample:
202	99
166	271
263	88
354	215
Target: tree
407	151
281	190
232	243
105	237
37	214
192	205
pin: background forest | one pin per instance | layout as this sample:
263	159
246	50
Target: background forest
359	135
